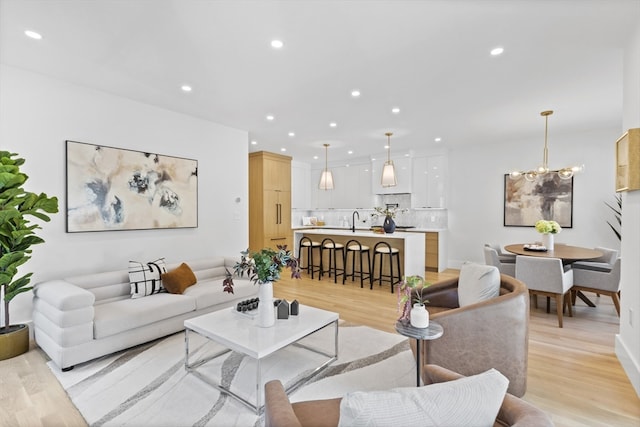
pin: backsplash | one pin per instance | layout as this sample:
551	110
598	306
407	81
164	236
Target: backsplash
420	218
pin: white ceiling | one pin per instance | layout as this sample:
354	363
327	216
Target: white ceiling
429	58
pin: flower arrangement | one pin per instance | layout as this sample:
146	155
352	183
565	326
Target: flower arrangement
387	212
263	266
405	289
548	227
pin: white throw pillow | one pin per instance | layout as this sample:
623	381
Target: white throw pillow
144	278
477	282
468	401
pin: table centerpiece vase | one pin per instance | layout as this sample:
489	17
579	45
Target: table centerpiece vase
266	311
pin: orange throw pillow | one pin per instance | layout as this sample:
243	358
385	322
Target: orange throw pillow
176	281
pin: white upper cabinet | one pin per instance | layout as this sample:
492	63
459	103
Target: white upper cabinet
403	174
352	188
429	182
300	179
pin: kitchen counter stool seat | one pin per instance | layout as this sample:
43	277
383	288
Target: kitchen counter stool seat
328	244
310	245
380	250
355	247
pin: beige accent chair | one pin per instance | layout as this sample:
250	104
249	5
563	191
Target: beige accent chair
598	281
546	277
506	266
502	255
489	334
279	412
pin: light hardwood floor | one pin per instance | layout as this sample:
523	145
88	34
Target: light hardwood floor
573	372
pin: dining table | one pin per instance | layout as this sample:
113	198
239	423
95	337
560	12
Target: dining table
567	253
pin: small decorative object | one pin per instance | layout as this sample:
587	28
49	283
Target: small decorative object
294	308
418	316
17	234
548	229
264	268
389	213
282	309
389	225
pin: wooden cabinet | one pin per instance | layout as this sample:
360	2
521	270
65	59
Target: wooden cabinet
431	255
628	161
269	200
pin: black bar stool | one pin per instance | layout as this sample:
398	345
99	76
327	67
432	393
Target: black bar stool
329	245
381	249
355	247
310	245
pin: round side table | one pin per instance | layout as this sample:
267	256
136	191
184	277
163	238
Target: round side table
434	331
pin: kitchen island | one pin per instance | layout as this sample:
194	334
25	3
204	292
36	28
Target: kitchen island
410	245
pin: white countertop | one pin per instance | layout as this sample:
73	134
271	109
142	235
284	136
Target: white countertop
358	233
367	228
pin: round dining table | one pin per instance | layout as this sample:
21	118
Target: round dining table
567	253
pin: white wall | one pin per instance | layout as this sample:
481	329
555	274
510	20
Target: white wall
37	115
476	196
628	341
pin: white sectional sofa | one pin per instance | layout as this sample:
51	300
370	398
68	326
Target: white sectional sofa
84	317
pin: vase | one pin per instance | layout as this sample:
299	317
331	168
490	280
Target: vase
547	241
266	311
389	225
419	316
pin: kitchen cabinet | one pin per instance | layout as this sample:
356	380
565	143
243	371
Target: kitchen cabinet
269	200
352	188
431	251
628	161
429	178
404	176
300	185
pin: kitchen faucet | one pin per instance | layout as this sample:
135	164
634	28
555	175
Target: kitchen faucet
353	220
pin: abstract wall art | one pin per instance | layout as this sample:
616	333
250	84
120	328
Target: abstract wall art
118	189
548	197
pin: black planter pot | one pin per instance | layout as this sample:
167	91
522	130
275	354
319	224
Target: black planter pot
389	225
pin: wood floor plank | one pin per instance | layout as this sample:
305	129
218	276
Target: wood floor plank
573	372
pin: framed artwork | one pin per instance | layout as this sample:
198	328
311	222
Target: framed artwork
117	189
548	197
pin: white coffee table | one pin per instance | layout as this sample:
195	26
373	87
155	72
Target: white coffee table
240	333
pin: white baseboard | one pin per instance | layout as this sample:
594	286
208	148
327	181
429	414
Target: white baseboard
629	365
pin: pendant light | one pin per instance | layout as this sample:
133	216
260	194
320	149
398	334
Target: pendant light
389	171
543	169
326	179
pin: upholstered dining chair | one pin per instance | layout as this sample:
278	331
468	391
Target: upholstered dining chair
502	255
491	257
546	277
598	281
602	263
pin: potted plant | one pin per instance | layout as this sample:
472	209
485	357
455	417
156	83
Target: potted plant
389	213
17	235
410	291
264	267
548	229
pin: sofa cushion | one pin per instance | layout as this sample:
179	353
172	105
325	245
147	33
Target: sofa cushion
145	277
126	314
468	401
176	281
477	283
209	292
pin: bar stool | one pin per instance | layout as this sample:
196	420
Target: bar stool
353	247
381	249
310	245
329	245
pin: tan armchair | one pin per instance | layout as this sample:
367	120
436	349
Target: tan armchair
279	412
489	334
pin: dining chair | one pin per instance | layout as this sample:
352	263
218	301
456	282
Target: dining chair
600	282
546	277
491	257
602	263
502	255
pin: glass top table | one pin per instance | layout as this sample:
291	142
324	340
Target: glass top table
432	332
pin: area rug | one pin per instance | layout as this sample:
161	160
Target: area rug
149	386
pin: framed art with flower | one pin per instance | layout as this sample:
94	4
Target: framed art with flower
548	197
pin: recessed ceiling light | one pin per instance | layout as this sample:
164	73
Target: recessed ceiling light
186	88
355	93
350	152
386	147
277	44
283	149
292	134
406	155
33	35
254	142
497	51
438	139
270	117
333	124
347	165
373	159
395	110
315	157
